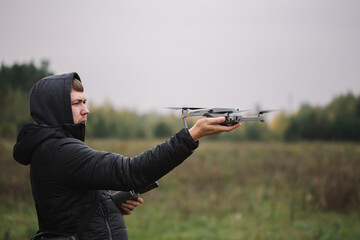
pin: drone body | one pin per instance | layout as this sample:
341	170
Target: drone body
232	115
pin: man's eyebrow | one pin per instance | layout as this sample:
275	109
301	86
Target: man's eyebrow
79	100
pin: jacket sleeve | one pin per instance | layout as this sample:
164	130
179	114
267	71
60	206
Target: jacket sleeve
80	166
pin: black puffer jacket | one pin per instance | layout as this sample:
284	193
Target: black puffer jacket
67	175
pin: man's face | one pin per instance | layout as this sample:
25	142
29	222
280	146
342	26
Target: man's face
79	110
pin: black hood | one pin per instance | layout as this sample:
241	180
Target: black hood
30	136
50	108
50	101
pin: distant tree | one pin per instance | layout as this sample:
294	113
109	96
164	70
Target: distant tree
345	117
279	125
15	84
162	129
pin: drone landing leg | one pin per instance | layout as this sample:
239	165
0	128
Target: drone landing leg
184	120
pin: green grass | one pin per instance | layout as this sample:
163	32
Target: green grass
225	190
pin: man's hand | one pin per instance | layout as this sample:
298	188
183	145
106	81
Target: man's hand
128	207
210	126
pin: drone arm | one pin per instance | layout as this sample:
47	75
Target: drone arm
253	118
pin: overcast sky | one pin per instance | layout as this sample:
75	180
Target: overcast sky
150	54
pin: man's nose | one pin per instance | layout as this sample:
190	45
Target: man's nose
85	111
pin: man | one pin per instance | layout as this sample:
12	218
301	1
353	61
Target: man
68	177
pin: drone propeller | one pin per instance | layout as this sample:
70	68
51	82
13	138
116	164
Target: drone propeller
266	111
184	108
240	111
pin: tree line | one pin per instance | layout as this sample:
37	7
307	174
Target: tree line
337	121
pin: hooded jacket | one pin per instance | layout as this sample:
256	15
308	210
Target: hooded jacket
67	175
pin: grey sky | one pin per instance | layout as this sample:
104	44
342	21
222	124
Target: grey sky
148	55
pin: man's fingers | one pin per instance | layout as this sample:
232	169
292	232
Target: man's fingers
126	211
130	204
216	120
230	128
222	128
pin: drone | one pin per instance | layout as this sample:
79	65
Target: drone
232	115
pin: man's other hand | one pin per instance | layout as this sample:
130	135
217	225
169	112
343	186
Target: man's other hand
129	205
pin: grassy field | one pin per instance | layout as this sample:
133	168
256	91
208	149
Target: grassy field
237	190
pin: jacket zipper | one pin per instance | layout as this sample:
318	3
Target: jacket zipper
106	220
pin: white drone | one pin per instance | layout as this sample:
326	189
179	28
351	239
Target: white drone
232	115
